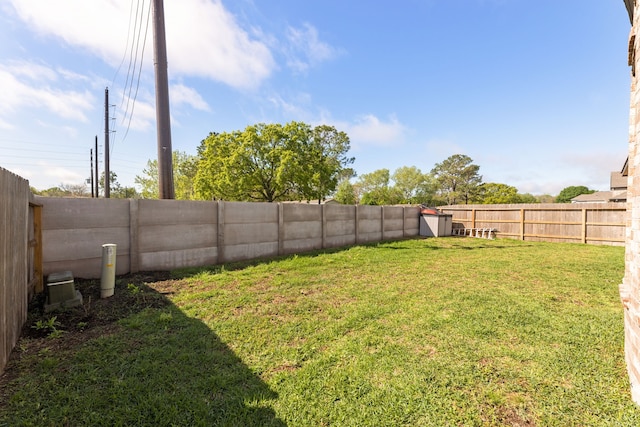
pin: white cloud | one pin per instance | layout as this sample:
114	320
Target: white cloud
27	85
203	38
305	48
370	130
181	94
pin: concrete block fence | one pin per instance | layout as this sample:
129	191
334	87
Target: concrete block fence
157	235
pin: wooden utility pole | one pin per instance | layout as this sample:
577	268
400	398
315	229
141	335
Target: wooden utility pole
107	176
163	124
97	179
91	163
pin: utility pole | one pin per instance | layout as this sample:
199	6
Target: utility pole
107	176
97	181
91	163
163	124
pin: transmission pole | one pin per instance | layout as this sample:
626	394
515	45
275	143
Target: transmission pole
107	176
97	181
163	124
91	163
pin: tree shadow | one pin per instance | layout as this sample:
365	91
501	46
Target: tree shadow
154	366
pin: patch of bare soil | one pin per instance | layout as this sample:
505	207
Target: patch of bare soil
65	330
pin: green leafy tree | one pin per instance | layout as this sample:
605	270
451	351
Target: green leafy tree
413	185
458	179
116	190
546	198
346	193
569	193
527	198
323	162
374	189
492	193
272	162
185	167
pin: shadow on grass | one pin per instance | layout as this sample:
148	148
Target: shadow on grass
153	367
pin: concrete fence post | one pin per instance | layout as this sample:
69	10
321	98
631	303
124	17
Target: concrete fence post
280	229
357	222
134	255
221	256
324	226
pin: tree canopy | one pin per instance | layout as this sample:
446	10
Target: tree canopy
458	178
184	172
272	162
569	193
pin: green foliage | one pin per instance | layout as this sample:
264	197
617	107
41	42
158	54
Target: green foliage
272	162
185	167
458	179
491	193
415	186
49	326
527	198
569	193
374	189
346	193
117	191
410	185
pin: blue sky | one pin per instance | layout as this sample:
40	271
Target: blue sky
536	93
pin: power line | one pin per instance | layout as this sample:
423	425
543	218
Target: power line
135	97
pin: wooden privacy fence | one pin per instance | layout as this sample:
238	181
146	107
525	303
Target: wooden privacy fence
20	257
593	223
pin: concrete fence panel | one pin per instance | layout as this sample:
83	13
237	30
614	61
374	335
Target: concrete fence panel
302	227
369	223
74	231
248	230
393	222
340	227
411	221
160	221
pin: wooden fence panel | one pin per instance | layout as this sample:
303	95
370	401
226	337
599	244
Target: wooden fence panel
593	223
14	260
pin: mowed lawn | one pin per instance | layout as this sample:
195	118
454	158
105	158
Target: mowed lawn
426	332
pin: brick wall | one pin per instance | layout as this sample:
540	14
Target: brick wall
630	288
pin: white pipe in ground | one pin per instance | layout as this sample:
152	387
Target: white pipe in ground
108	279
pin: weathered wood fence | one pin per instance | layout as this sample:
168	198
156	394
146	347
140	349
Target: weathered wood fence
593	223
20	257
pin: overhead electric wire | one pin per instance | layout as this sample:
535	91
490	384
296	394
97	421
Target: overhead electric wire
135	97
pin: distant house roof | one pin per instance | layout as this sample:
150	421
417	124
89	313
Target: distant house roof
601	197
618	181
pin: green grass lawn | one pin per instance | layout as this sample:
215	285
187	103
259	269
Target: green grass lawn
436	332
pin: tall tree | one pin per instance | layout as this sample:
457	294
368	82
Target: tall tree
492	193
272	162
458	178
569	193
185	167
374	189
346	193
415	186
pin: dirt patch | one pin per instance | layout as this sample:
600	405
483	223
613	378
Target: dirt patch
65	330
